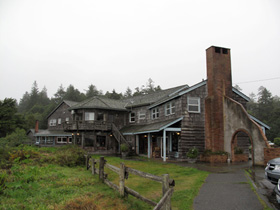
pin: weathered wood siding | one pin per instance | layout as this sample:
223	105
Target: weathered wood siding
193	129
61	113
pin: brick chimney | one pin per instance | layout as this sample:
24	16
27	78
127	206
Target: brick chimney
37	126
219	84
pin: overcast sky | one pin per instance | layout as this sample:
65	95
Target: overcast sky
115	44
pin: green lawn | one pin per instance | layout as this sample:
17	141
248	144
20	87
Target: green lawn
35	183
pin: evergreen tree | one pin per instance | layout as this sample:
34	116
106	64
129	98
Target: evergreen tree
92	91
128	93
8	119
60	94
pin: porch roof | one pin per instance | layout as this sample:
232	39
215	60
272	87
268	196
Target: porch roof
150	128
49	133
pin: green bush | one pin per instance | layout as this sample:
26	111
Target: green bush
277	141
192	153
124	148
209	152
238	150
3	177
71	156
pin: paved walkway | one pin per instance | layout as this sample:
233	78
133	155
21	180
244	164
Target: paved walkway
227	188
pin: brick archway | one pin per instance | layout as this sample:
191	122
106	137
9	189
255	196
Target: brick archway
234	143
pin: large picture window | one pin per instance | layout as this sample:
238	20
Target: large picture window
194	104
89	116
155	113
170	108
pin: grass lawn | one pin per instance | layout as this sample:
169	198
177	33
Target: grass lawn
39	184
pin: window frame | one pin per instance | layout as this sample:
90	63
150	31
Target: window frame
193	105
155	113
142	115
88	116
130	117
52	122
170	108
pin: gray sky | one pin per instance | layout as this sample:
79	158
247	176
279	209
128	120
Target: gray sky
115	44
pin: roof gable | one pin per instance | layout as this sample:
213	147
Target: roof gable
68	103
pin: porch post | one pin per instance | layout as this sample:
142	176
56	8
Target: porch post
149	145
170	141
164	145
83	140
137	144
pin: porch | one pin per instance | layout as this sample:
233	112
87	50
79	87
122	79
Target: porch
158	140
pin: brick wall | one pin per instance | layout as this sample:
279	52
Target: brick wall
271	153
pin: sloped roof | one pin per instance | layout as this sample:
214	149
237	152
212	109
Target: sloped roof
69	103
151	98
154	127
99	102
49	133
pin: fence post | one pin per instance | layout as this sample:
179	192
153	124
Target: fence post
165	188
101	169
92	166
121	181
86	161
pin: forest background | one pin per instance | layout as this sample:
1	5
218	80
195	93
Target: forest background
18	117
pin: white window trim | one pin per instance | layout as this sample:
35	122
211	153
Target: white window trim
52	122
89	116
141	115
171	107
155	113
197	105
59	121
60	140
130	118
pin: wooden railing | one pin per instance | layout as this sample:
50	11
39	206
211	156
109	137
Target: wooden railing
123	172
87	125
117	134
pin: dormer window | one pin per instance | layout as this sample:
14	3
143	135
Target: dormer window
155	113
132	117
194	104
170	108
141	115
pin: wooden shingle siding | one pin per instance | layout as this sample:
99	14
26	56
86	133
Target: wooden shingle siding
192	130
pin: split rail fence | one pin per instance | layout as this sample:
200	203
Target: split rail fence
123	172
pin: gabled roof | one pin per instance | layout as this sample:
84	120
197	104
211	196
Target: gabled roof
148	128
260	122
178	93
99	102
151	98
69	103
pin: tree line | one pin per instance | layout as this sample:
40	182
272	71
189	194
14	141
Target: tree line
36	105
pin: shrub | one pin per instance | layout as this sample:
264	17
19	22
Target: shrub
277	141
3	177
124	148
192	153
22	153
209	152
238	150
70	155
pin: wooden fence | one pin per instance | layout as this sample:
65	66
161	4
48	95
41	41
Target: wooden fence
123	172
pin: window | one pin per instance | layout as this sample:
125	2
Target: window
155	113
100	116
61	140
132	117
70	139
67	120
59	121
170	108
89	116
101	141
142	115
194	104
52	122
